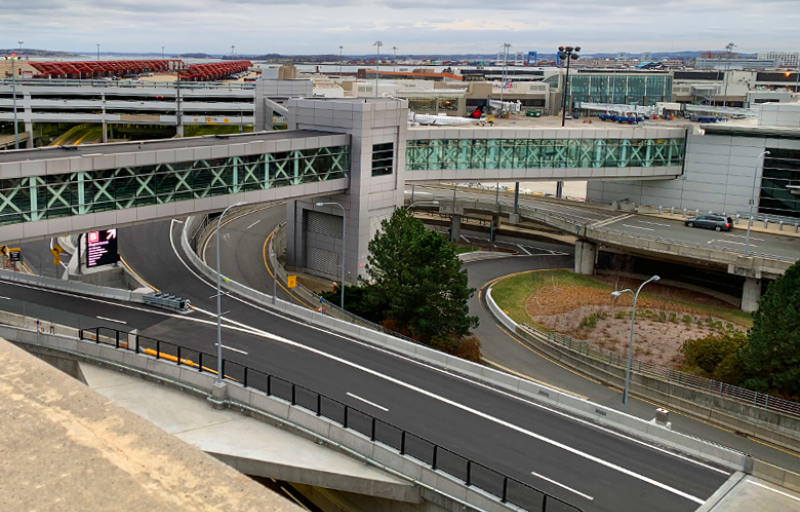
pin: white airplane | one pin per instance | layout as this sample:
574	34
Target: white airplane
442	119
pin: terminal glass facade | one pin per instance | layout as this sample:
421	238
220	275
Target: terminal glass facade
781	174
628	89
436	154
62	195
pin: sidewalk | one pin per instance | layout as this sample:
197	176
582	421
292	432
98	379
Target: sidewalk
744	493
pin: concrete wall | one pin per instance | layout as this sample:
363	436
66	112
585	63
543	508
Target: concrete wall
276	89
718	176
369	199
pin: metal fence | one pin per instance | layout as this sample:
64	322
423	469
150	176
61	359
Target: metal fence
715	387
472	473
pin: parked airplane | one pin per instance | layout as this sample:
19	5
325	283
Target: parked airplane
476	116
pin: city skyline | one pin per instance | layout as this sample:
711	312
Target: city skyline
320	27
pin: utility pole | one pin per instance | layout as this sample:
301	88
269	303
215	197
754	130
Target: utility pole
729	47
503	81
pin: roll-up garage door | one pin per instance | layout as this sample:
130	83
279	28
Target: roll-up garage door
323	233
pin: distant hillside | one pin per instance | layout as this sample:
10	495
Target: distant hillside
36	53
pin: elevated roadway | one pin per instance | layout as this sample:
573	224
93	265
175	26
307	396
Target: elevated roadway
514	436
243	240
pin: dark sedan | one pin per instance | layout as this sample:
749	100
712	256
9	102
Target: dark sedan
716	222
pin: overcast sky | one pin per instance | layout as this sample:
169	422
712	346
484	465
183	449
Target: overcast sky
415	26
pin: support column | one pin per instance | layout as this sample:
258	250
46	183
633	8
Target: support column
559	189
585	256
514	217
751	292
455	228
29	129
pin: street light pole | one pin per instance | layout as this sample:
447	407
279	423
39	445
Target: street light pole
98	50
503	81
219	296
340	61
630	343
394	62
20	46
162	53
729	47
344	243
752	202
13	58
378	44
568	54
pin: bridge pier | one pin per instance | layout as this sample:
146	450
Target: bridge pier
751	292
455	228
585	257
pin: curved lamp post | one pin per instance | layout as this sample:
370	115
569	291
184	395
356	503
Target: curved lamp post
219	296
344	243
630	344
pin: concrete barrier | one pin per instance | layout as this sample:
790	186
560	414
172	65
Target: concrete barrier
776	475
69	286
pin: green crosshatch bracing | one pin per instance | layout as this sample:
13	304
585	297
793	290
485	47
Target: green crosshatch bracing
61	195
439	154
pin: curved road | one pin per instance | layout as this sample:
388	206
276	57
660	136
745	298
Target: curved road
242	260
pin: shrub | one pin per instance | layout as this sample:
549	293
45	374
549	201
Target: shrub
673	318
709	352
687	319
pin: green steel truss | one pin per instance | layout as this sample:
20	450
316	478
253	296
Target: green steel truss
438	154
61	195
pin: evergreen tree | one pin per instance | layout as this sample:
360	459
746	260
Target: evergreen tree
772	353
415	274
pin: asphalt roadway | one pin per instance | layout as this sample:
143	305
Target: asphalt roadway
243	240
632	224
593	468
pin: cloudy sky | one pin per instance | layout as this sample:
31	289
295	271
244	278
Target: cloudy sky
415	26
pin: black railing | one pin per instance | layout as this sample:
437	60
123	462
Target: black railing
473	474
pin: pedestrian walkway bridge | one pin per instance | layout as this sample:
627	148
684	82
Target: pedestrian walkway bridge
58	190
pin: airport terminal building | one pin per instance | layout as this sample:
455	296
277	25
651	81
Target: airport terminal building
720	167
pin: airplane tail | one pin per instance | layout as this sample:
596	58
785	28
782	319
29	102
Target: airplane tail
478	112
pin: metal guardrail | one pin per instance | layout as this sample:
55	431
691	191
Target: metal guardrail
754	398
473	474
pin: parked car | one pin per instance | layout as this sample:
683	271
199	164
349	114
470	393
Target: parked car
716	222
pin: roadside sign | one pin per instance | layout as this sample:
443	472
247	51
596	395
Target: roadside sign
101	248
56	250
4	250
291	281
15	254
56	260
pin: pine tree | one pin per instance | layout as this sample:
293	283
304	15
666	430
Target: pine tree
416	275
772	353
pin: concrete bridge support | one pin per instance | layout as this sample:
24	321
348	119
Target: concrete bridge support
455	228
377	168
585	257
751	292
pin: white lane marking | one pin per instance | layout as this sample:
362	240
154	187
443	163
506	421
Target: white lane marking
447	401
773	490
112	320
6	298
653	223
744	237
606	222
732	242
524	249
638	227
373	404
226	347
466	240
253	224
570	489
